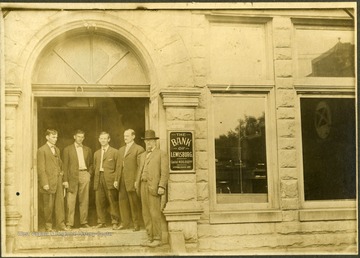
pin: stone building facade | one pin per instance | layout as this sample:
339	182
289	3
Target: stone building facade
192	68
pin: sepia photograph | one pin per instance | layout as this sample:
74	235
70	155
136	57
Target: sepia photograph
176	129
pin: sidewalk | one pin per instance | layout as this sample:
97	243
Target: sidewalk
163	250
86	242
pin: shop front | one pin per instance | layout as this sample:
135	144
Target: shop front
256	116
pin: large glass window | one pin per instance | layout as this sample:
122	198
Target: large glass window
329	148
240	149
325	52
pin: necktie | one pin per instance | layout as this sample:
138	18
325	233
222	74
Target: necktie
126	150
53	149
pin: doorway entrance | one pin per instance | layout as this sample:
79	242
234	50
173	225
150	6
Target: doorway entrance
92	115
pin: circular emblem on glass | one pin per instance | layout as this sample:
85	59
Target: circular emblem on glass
323	119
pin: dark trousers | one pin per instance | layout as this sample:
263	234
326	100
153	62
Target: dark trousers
130	208
151	212
102	194
54	201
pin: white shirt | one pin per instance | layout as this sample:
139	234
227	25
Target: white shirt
149	152
80	155
52	147
103	150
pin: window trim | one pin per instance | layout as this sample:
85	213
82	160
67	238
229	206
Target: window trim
327	214
320	87
221	19
325	85
272	206
221	217
314	206
319	24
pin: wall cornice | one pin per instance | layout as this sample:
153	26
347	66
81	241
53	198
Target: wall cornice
12	96
180	97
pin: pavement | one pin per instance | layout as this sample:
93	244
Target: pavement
86	242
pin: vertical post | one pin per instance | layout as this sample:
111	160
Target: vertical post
12	96
8	156
182	210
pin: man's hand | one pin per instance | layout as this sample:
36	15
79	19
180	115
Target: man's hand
46	187
161	191
116	185
66	184
136	186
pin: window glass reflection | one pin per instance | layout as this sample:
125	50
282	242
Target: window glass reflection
329	148
325	53
240	149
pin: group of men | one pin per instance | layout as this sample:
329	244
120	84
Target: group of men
131	180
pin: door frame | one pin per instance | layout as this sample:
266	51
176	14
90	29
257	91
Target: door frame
34	193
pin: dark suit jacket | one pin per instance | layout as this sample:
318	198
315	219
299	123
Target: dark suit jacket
126	167
109	165
71	165
49	166
158	170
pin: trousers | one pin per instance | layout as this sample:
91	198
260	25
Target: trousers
102	194
81	190
54	202
130	208
151	211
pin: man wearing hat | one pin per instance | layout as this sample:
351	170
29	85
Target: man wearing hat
152	177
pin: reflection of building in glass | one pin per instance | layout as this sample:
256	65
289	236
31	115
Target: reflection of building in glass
241	158
336	62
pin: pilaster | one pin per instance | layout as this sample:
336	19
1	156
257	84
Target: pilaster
12	96
182	210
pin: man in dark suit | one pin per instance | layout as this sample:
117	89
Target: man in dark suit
77	172
152	177
49	169
126	169
105	166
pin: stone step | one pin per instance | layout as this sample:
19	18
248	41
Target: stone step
80	238
163	250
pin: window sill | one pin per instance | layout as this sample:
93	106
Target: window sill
327	214
222	217
331	85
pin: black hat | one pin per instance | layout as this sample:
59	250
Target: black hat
149	135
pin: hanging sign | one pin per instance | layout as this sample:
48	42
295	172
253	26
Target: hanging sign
181	145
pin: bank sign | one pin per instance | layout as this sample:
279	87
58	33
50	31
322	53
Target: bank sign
181	151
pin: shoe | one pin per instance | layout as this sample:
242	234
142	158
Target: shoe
155	243
121	227
100	225
49	230
115	226
68	227
85	225
146	243
136	228
64	228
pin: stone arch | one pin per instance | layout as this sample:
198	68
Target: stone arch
89	58
161	60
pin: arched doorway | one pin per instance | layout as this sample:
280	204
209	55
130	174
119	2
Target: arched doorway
90	80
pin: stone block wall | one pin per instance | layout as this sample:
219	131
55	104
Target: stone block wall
278	238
